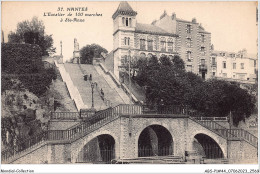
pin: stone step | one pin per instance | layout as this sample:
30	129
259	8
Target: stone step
112	84
84	87
109	92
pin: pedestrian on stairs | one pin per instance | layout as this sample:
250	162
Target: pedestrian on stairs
102	94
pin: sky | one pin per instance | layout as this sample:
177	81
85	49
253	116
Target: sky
232	24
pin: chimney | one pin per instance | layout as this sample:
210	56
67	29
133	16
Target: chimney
173	16
164	14
194	20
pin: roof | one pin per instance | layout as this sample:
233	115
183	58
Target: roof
181	20
202	30
124	9
237	54
151	29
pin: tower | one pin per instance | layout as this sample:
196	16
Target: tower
124	20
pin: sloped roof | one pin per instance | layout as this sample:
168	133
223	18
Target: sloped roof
124	9
202	30
151	29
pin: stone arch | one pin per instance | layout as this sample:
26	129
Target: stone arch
161	147
221	142
82	143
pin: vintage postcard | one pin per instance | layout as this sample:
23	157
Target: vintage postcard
135	82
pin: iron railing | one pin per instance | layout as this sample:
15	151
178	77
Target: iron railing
65	115
228	133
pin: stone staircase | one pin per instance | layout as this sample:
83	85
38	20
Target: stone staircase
229	134
84	87
104	83
112	85
70	135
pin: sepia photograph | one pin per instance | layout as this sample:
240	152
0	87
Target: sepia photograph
129	82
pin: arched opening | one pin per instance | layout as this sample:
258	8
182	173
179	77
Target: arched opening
100	149
155	140
207	147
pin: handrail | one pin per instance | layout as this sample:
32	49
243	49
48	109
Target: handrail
229	133
74	132
64	115
247	136
215	127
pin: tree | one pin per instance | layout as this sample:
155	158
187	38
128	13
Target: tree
169	84
89	52
32	32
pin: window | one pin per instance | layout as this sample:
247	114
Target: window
214	74
142	55
189	68
149	55
202	49
189	56
163	45
202	61
202	38
189	42
224	74
142	44
213	60
242	65
188	28
223	54
123	20
126	22
130	22
170	45
224	64
150	45
123	60
234	66
127	40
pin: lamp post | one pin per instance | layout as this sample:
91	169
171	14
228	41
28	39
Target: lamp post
129	66
92	87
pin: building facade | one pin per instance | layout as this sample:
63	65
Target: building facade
238	66
167	36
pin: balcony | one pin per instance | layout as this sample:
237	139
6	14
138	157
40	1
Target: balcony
203	68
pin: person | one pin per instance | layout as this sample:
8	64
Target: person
86	77
102	94
90	77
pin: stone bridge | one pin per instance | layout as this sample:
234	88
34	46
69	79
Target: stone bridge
122	135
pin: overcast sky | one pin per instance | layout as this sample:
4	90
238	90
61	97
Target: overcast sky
232	24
